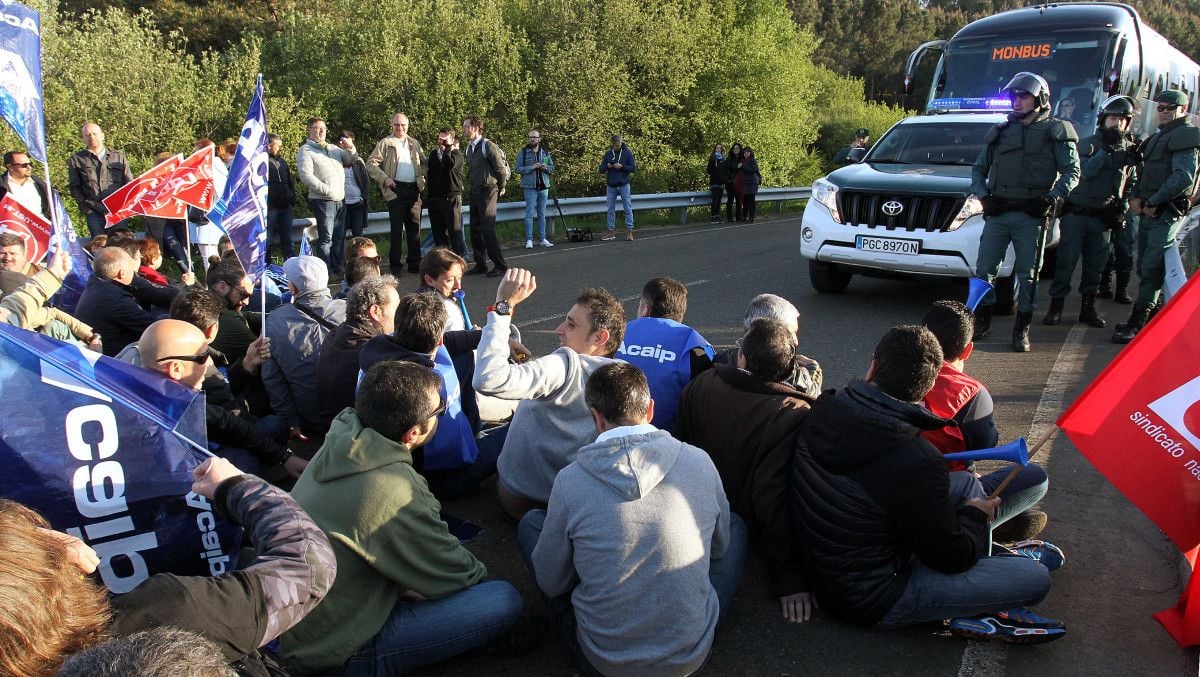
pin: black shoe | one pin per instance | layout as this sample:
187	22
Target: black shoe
983	322
1023	526
1054	315
498	271
1120	295
1106	287
478	270
1125	331
414	268
1020	337
1088	314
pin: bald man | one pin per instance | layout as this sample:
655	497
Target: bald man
180	351
95	173
108	304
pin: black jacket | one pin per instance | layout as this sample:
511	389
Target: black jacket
230	430
444	177
718	173
281	190
337	370
113	312
870	498
37	183
91	182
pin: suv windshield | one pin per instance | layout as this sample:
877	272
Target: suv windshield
951	143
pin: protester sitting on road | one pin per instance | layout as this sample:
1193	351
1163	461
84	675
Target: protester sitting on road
51	321
441	273
746	418
667	351
636	519
180	352
297	331
966	401
227	279
407	592
886	543
44	582
13	256
552	421
157	651
453	462
152	260
108	304
360	268
155	298
370	311
806	375
23	303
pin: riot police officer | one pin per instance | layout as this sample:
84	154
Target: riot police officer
1166	181
1028	165
1094	209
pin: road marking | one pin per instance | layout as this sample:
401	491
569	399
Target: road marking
538	320
987	659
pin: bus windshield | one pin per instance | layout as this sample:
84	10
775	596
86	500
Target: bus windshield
1073	64
948	143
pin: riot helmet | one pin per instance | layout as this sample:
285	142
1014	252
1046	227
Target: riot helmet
1029	82
1119	105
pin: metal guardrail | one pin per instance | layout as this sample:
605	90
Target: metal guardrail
377	222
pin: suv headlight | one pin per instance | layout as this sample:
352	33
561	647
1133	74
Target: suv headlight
971	207
825	193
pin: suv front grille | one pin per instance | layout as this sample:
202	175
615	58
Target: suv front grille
930	213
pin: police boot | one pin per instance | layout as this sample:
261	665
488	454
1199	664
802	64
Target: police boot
1125	331
983	322
1088	314
1106	286
1119	294
1054	315
1020	337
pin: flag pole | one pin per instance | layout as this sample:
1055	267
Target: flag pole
54	227
1012	474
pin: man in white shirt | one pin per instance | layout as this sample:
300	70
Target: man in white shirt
18	182
396	165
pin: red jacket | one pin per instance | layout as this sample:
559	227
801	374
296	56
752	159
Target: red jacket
152	275
952	391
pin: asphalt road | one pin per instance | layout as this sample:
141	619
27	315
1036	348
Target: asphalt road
1120	568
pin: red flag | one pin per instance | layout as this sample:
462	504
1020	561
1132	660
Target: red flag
30	226
1139	424
122	204
191	184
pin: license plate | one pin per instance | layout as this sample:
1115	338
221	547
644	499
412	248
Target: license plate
888	245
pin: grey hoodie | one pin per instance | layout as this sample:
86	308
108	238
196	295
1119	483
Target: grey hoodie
636	519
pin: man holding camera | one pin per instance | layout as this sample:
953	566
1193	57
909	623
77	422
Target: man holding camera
445	171
1028	165
1166	182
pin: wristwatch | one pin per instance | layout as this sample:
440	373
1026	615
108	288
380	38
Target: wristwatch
501	308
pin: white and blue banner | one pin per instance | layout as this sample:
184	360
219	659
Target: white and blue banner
21	75
105	450
81	265
242	210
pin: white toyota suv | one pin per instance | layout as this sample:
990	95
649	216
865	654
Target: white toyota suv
905	209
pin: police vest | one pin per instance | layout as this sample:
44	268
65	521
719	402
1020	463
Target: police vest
1023	163
662	349
952	391
453	445
1177	135
1109	183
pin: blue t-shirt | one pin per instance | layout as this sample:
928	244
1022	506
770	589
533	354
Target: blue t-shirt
662	349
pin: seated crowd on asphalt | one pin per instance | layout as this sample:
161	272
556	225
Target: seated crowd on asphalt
640	468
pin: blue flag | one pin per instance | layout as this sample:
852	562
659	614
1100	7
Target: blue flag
21	76
81	266
105	451
242	210
305	245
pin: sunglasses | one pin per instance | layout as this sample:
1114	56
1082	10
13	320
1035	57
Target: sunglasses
1165	107
25	165
209	353
441	409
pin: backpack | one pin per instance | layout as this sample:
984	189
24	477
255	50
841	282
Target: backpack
503	169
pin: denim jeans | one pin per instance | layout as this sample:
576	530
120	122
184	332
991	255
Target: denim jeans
724	574
351	218
420	633
456	482
1026	489
327	213
1021	230
95	223
622	192
535	206
279	226
993	584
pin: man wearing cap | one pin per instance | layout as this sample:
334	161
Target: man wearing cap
1028	165
862	139
1166	182
297	331
617	165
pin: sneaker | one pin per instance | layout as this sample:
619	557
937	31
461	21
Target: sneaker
1022	526
1015	626
529	244
610	235
629	236
546	243
1051	556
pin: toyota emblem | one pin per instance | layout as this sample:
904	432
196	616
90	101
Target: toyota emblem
892	207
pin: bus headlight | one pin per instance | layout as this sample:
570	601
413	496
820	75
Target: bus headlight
825	193
971	207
